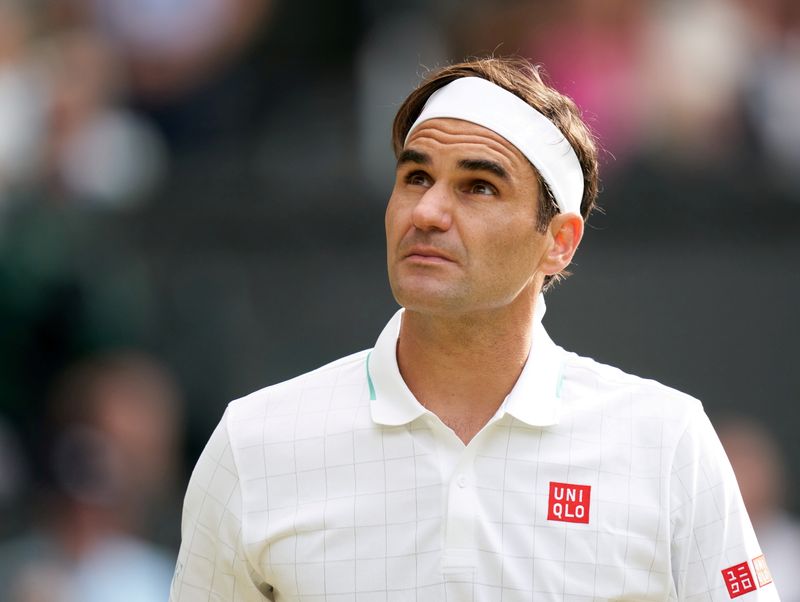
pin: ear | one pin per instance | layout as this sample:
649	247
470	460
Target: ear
565	233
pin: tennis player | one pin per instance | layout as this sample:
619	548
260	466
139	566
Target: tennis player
467	457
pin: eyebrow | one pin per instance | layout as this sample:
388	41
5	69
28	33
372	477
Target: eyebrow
412	156
484	165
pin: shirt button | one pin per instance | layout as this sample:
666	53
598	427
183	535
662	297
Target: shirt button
461	481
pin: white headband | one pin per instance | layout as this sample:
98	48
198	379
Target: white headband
479	101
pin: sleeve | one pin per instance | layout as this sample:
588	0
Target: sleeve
715	554
212	565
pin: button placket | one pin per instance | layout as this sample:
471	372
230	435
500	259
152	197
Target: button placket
461	511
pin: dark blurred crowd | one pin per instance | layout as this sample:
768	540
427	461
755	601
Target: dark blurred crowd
100	98
107	454
128	124
84	85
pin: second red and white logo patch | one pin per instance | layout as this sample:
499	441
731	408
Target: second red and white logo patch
738	579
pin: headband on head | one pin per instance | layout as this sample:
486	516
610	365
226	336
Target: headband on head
483	103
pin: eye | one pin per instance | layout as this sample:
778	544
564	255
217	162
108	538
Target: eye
483	188
418	178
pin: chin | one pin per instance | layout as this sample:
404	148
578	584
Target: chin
424	301
433	304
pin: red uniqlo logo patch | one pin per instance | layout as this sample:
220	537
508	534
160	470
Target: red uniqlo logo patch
569	503
762	571
738	580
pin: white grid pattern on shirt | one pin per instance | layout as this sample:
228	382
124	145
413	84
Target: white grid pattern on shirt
379	513
211	561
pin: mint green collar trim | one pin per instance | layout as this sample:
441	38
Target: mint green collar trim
369	380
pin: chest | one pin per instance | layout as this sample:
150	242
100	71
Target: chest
555	513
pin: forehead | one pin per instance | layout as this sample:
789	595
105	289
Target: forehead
445	137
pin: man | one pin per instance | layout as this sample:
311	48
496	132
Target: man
466	456
109	448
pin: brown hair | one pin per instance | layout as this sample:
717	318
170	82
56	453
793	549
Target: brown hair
524	79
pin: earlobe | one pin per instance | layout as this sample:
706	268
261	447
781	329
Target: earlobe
565	233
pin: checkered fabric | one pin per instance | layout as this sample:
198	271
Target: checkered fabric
587	484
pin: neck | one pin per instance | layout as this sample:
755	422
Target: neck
462	367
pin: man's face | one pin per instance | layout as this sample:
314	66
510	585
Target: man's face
461	222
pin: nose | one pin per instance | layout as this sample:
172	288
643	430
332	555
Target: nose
433	210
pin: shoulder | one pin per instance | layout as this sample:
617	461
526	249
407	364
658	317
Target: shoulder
346	371
279	410
650	406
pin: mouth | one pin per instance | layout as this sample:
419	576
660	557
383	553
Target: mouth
429	255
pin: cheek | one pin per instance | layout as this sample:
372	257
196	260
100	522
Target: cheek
393	221
390	216
396	218
512	254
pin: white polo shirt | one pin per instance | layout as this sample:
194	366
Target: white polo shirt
587	484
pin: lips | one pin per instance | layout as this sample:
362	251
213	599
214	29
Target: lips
427	254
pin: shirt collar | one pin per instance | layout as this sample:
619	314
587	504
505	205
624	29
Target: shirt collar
391	401
534	399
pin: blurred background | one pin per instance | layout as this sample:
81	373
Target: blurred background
191	208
